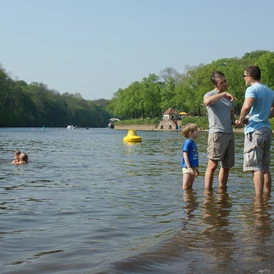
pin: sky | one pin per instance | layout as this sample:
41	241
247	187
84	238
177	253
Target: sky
95	47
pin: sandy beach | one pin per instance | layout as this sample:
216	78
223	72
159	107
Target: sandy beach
154	128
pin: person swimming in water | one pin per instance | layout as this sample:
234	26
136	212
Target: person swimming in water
22	158
16	155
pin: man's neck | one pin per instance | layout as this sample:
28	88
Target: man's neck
252	82
219	91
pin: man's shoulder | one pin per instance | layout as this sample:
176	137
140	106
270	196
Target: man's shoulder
210	93
257	87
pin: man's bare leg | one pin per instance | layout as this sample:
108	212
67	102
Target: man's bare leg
267	182
223	177
209	175
258	179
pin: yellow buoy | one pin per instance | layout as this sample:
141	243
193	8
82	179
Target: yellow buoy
132	136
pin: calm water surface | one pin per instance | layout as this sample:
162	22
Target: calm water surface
89	203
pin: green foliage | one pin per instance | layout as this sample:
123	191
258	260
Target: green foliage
254	55
266	64
154	121
201	122
272	123
190	92
102	102
35	105
168	95
184	92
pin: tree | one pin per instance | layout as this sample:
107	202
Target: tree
151	95
266	64
168	96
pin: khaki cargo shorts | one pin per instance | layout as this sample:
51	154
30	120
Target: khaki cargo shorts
221	147
257	146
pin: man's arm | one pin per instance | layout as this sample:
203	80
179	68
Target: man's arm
248	102
271	112
209	100
233	118
189	167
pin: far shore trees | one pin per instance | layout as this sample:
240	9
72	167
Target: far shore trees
185	91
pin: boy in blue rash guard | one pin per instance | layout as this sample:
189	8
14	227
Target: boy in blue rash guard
190	160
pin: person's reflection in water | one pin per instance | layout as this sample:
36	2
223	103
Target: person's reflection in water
262	218
223	204
216	206
191	203
257	239
217	235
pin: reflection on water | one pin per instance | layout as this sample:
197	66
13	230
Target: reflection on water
190	199
262	216
89	203
217	233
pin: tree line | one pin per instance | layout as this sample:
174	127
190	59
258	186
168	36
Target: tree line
35	105
184	91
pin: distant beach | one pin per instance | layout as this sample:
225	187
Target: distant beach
154	128
137	127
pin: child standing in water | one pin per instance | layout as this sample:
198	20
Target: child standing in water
190	160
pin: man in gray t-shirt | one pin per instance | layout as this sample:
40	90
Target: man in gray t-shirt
221	147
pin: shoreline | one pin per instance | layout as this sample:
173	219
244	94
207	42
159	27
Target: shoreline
154	128
136	127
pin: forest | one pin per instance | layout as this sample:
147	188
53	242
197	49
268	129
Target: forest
184	91
35	105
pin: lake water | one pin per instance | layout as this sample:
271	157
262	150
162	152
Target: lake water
89	203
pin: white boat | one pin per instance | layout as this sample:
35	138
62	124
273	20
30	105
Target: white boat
70	127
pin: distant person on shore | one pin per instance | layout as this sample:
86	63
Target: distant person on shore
22	159
221	147
258	107
190	159
16	155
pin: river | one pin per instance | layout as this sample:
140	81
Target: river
89	203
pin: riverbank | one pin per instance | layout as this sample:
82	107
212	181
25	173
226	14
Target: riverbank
154	128
137	127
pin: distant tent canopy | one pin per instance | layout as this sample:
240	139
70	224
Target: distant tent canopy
182	113
113	119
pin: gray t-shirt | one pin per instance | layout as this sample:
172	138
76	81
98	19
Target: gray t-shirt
219	114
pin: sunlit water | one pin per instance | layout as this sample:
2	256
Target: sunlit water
89	203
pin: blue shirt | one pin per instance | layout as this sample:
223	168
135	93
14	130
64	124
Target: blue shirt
260	110
190	147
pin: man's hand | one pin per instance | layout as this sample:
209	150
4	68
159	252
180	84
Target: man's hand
237	123
244	121
230	97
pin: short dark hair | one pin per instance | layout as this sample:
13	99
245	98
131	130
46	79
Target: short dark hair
214	75
254	72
